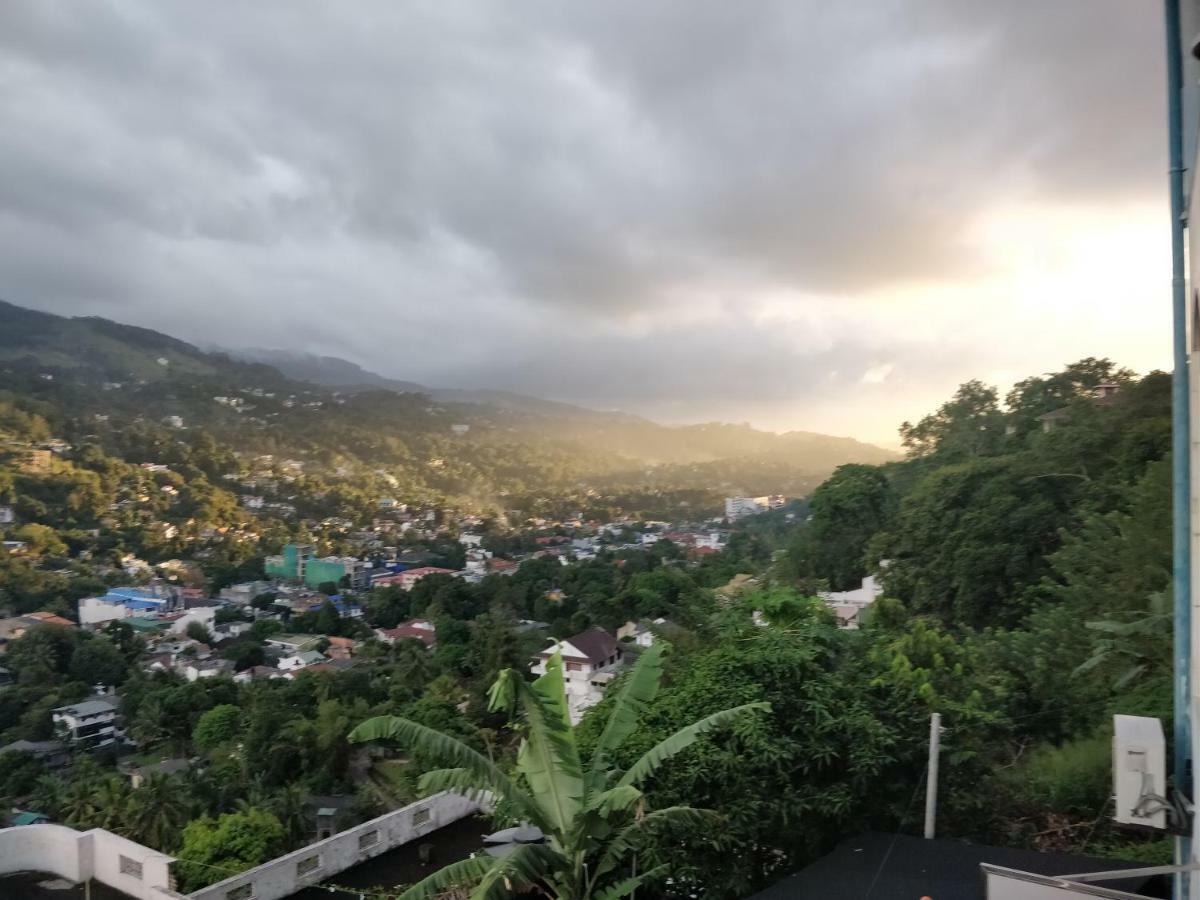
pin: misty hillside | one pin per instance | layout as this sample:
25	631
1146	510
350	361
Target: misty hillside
620	433
457	443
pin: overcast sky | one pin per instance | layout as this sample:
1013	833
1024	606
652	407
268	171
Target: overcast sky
810	215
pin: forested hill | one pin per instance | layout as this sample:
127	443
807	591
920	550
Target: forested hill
1024	547
482	449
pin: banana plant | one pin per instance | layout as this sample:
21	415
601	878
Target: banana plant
594	817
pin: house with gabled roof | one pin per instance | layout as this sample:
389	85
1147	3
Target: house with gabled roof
416	629
591	659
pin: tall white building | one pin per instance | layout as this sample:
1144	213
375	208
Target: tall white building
740	507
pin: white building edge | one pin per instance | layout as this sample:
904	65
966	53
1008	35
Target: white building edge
145	874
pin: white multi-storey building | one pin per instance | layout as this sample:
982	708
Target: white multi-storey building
92	723
740	507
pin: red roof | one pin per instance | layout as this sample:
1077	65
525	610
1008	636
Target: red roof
426	570
425	635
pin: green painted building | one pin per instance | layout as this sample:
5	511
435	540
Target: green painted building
331	569
297	563
291	564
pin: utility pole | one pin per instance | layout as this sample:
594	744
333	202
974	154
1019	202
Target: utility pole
1180	437
931	779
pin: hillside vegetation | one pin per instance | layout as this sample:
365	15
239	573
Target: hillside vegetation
481	450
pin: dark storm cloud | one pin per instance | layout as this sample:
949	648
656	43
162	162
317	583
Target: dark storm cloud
513	177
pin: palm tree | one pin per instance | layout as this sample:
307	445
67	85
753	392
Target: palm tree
157	812
290	807
593	817
78	807
49	792
111	799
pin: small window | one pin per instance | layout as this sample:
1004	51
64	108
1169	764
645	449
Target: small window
245	892
305	866
130	867
420	816
573	667
368	839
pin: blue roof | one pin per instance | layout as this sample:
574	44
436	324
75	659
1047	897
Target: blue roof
131	593
30	818
143	604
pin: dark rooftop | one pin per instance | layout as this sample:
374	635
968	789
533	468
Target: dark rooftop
595	644
902	867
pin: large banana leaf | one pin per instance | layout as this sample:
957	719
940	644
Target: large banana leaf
626	887
614	800
456	875
638	690
681	740
636	833
526	866
548	758
474	770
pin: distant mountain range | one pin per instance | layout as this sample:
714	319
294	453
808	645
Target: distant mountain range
152	374
624	433
332	372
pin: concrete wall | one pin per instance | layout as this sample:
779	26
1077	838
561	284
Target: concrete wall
82	855
288	874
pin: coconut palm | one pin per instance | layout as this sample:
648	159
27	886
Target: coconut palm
111	803
593	817
78	807
157	812
290	806
48	794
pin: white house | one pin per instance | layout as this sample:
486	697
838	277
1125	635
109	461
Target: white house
591	660
468	539
642	633
207	668
89	724
300	660
848	605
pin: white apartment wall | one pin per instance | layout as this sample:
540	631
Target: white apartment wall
205	615
81	855
862	596
279	878
94	611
